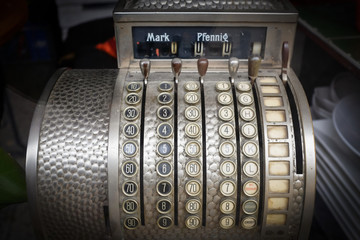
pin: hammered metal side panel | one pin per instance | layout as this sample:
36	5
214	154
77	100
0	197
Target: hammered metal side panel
72	159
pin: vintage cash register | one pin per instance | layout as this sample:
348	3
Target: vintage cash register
203	131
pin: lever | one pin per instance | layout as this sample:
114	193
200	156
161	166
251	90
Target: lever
233	67
145	65
176	65
285	60
254	62
202	65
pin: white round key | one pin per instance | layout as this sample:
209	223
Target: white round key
192	98
247	114
250	188
243	86
251	168
193	206
226	113
227	188
228	168
192	130
192	86
250	149
227	206
193	148
224	98
227	149
249	130
193	168
192	222
192	113
193	187
227	222
245	99
226	130
223	86
248	223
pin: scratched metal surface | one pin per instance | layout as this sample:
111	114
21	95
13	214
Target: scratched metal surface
72	157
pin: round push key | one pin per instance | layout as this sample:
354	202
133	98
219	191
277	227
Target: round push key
228	168
193	187
227	206
165	130
164	113
223	86
226	130
192	130
193	168
192	86
227	188
224	98
164	149
163	206
132	99
227	222
165	86
131	113
129	168
131	130
131	223
248	223
192	113
249	130
165	98
192	222
250	207
130	206
164	168
164	222
164	188
192	98
134	87
130	188
130	148
226	113
193	206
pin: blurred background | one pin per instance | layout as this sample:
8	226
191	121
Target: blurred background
39	36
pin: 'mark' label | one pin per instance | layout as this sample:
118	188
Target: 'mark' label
151	37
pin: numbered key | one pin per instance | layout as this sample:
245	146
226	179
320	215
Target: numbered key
223	86
130	188
193	168
226	130
193	187
164	149
165	86
130	206
165	130
129	168
227	188
192	113
131	113
131	130
164	113
163	206
193	206
224	98
164	168
193	149
192	130
165	98
134	87
132	99
164	188
227	149
227	222
192	222
243	87
192	86
226	113
164	222
130	148
228	168
227	206
192	98
131	223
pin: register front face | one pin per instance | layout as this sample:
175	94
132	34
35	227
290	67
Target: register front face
203	131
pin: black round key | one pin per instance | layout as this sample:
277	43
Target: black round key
164	188
133	87
129	168
163	206
132	98
130	188
164	169
165	86
165	113
131	113
164	222
165	130
131	222
130	206
165	98
130	148
164	149
131	130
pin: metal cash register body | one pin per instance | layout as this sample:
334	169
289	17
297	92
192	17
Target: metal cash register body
203	132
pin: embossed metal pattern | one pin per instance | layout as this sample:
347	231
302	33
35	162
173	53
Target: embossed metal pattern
72	157
264	5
